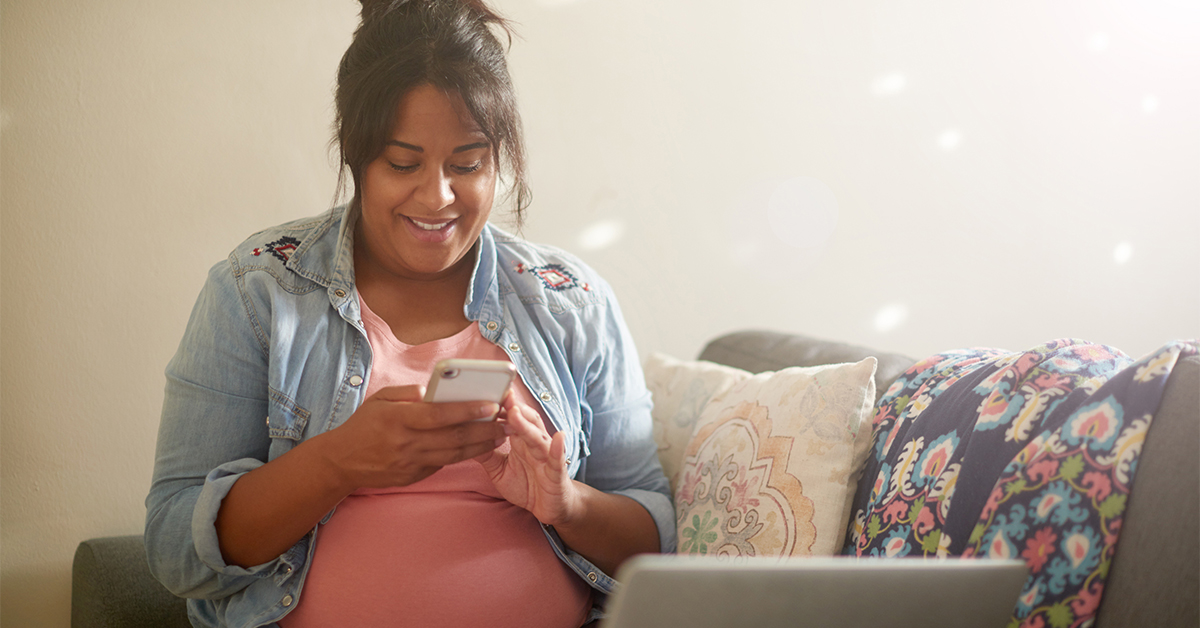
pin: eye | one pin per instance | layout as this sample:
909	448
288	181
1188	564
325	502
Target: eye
400	168
469	168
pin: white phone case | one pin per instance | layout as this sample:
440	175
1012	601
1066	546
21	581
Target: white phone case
470	380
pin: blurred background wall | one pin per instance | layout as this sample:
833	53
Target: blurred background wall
913	176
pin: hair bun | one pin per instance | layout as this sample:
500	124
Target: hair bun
373	9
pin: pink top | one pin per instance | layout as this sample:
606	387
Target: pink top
445	551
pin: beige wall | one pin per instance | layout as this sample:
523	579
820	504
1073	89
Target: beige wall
141	141
913	176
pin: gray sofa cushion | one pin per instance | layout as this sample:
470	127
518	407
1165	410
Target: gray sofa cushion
111	587
758	351
1155	576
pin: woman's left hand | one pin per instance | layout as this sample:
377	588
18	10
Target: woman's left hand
605	528
533	474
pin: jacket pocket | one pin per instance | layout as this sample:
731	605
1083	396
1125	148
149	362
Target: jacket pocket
285	418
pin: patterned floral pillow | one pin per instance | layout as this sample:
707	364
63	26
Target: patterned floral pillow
761	465
1029	454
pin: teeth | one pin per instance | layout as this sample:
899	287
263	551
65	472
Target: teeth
428	226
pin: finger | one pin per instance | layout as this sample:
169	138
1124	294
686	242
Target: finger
469	434
531	423
432	416
440	457
474	451
558	456
515	423
529	444
415	392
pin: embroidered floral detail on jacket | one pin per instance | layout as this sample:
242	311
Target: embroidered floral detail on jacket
281	248
554	276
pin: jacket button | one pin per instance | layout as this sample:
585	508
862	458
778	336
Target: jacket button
514	346
592	576
339	293
356	380
546	396
287	599
492	325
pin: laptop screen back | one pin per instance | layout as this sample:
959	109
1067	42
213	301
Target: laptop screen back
841	592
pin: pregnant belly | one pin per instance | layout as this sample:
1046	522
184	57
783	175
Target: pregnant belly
436	559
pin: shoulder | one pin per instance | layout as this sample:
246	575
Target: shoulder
277	251
541	273
279	243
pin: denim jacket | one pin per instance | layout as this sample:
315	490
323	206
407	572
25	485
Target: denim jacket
275	353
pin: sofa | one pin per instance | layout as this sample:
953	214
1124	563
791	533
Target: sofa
1154	579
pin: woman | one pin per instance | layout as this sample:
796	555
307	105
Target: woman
354	502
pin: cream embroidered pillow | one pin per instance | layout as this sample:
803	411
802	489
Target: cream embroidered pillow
761	465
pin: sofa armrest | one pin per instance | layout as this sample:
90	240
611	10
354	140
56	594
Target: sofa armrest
758	351
1155	575
111	587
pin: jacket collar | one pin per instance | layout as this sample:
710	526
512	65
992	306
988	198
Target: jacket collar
483	277
326	255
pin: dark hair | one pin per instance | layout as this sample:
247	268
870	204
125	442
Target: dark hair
448	44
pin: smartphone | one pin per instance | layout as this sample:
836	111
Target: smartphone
470	380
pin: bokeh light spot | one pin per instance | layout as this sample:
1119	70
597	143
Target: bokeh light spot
890	317
601	234
889	84
1123	253
949	139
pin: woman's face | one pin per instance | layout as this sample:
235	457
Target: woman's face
427	196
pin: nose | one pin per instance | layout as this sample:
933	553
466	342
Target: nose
434	190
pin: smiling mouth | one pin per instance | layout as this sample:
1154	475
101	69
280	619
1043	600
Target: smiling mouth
430	231
430	226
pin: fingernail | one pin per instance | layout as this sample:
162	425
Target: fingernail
500	441
487	409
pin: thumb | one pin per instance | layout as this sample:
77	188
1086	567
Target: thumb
558	452
414	392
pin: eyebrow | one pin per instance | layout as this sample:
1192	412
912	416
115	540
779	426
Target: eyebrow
460	149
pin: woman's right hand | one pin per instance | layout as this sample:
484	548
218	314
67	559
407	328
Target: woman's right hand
395	438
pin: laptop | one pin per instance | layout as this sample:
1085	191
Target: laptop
665	591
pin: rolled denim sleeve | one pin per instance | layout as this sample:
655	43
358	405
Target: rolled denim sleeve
635	476
211	432
624	455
